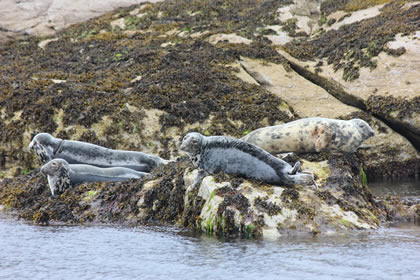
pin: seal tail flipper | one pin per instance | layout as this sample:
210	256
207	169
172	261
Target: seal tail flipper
295	168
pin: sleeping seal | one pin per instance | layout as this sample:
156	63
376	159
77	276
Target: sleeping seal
213	154
47	148
312	135
62	175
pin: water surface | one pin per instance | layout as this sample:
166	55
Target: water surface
404	187
108	252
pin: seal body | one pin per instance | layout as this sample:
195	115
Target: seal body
312	135
213	154
48	147
62	175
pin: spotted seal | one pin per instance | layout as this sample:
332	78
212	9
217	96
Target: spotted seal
48	147
62	175
312	135
213	154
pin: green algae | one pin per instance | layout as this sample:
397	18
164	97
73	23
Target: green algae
364	177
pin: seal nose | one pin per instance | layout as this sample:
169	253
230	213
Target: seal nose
372	133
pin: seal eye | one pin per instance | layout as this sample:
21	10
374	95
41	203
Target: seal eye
362	125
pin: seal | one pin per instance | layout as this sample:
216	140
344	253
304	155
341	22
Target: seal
213	154
62	175
48	147
312	135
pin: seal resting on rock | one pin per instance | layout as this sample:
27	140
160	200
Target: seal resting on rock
213	154
48	147
62	175
312	135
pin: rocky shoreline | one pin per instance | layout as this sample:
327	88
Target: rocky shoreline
141	77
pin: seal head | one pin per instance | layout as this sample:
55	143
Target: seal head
192	144
58	172
45	146
363	127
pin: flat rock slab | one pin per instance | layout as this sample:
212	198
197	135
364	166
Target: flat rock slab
45	17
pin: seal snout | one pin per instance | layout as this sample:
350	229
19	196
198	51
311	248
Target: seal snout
370	132
32	145
45	170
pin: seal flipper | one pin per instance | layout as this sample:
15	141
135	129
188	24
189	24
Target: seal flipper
295	168
197	181
303	178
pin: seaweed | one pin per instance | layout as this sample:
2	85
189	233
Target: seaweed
94	71
356	45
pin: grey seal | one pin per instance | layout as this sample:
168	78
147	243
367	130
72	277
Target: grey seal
213	154
62	175
312	135
48	147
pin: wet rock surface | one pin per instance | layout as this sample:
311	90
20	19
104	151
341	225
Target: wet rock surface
46	17
140	78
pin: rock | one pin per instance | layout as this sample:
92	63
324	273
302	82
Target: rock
231	38
118	23
303	14
372	69
249	210
389	153
45	17
44	43
342	18
223	205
